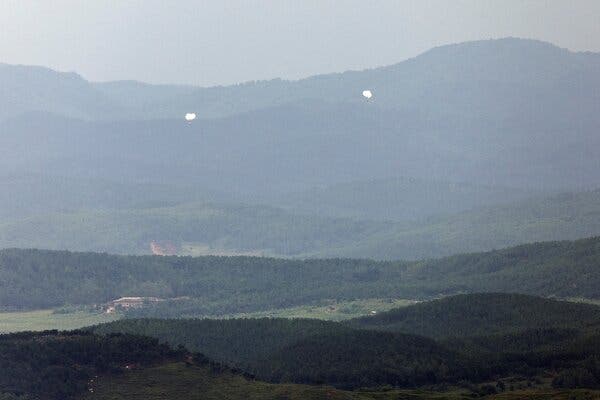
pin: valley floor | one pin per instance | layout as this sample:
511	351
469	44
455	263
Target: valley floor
42	320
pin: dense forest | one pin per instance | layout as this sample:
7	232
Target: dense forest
220	285
483	314
59	366
564	216
240	342
475	347
127	221
213	228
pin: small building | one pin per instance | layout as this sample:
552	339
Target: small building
125	303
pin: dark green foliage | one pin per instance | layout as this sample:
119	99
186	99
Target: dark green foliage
307	351
586	375
483	314
146	213
239	342
221	285
52	365
354	359
566	216
533	343
218	284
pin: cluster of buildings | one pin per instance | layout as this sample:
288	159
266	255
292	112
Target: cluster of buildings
125	303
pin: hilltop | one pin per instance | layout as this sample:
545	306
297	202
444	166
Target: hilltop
483	314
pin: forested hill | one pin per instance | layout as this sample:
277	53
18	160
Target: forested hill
486	113
220	285
566	216
539	336
483	314
127	219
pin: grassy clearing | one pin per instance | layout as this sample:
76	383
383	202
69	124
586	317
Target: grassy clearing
41	320
331	311
47	320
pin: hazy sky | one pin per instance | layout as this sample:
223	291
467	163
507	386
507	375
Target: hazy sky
222	41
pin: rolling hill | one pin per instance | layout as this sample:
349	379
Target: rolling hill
540	338
193	229
566	216
146	213
223	285
399	199
483	314
501	113
450	150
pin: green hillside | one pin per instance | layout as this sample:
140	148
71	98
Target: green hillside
202	286
51	365
541	349
483	314
399	199
203	228
234	229
239	342
20	195
567	216
306	351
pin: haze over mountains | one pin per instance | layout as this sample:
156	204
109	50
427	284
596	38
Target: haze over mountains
477	128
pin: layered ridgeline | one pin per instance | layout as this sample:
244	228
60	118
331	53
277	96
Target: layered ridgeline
483	314
188	229
476	347
222	285
129	221
499	113
82	365
478	125
79	365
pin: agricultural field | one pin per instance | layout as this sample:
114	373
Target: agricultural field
331	311
42	320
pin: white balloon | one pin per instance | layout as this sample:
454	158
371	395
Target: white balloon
367	94
190	116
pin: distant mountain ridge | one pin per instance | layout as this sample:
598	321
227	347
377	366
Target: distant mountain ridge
128	218
507	112
501	60
498	120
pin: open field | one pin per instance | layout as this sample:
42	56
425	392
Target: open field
332	311
178	381
47	320
41	320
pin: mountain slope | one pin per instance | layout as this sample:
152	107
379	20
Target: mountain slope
483	314
192	229
565	216
28	89
238	342
150	212
399	199
510	112
225	285
538	336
